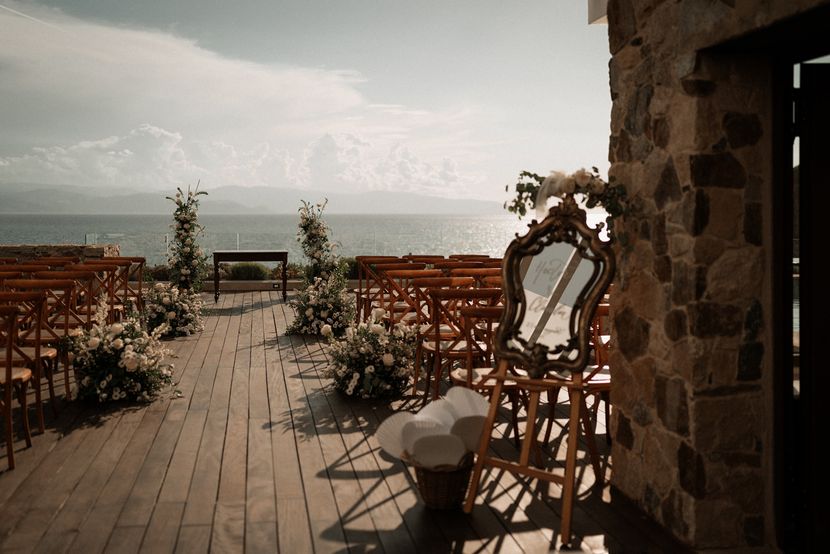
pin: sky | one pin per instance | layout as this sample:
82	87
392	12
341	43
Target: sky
448	98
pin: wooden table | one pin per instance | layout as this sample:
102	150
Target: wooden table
250	256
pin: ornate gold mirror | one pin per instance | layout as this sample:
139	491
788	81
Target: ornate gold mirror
554	277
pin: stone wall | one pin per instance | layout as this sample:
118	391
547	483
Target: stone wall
691	138
25	252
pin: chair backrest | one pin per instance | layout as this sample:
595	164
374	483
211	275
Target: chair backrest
398	296
59	299
25	269
84	297
104	282
8	331
447	266
120	277
421	288
479	333
8	275
469	256
57	261
31	306
477	273
446	306
8	260
426	258
135	277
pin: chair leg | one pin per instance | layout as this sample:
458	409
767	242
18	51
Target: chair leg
50	381
24	409
514	409
570	465
9	432
39	370
553	398
606	397
590	439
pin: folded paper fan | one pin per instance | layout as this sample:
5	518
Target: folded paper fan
438	450
469	429
439	410
389	433
417	428
467	402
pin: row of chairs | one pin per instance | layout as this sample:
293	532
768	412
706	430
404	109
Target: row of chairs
44	300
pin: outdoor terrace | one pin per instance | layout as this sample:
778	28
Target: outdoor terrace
256	453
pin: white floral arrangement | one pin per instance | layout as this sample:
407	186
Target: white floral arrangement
119	361
371	361
532	192
187	260
320	304
179	310
323	299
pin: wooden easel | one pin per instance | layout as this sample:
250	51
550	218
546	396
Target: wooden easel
565	224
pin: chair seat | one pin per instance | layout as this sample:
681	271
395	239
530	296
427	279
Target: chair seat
29	352
448	347
459	376
19	374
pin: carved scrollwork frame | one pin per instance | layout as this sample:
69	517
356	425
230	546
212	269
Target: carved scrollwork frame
566	222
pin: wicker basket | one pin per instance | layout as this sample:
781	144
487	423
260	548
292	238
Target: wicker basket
444	487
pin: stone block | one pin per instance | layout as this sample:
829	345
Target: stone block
691	470
675	325
710	319
742	129
717	170
632	333
668	185
672	404
708	249
735	275
725	207
731	423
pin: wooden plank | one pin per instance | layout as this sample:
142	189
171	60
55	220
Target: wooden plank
229	518
94	532
125	540
294	531
193	539
163	530
71	515
323	514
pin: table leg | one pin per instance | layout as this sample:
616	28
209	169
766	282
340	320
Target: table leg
215	280
284	280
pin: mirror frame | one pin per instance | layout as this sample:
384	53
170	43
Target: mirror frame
566	222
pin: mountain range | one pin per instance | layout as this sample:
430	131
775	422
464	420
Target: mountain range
31	198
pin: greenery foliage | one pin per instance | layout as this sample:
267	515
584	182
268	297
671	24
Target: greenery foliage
323	299
188	263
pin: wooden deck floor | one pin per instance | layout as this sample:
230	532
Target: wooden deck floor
256	453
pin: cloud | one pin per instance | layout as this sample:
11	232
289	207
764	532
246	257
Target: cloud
92	104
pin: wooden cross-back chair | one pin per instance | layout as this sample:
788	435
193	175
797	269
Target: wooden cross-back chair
477	273
134	279
423	315
398	298
14	379
463	257
574	269
122	294
446	267
55	324
376	292
27	348
84	300
479	325
103	285
446	343
363	287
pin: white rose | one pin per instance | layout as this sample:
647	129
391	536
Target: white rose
378	313
326	331
309	312
171	315
582	177
597	186
377	329
116	329
569	185
117	344
93	343
165	300
388	359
